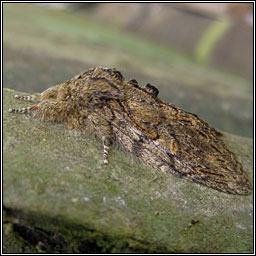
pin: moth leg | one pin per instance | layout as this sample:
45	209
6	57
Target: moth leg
106	144
103	130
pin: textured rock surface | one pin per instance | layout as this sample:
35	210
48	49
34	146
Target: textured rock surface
59	198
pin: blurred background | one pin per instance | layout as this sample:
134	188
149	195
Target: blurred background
199	55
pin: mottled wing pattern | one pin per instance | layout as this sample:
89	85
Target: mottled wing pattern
199	153
175	141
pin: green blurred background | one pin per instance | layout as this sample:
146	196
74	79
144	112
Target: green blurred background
200	56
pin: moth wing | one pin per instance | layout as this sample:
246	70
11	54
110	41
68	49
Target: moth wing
199	153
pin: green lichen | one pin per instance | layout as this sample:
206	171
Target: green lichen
60	197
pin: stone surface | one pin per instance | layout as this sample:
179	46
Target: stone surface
59	198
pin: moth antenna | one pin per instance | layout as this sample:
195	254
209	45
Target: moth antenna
33	97
22	110
20	97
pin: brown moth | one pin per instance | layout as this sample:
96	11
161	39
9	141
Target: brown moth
162	135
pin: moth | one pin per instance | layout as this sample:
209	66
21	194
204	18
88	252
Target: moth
171	140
